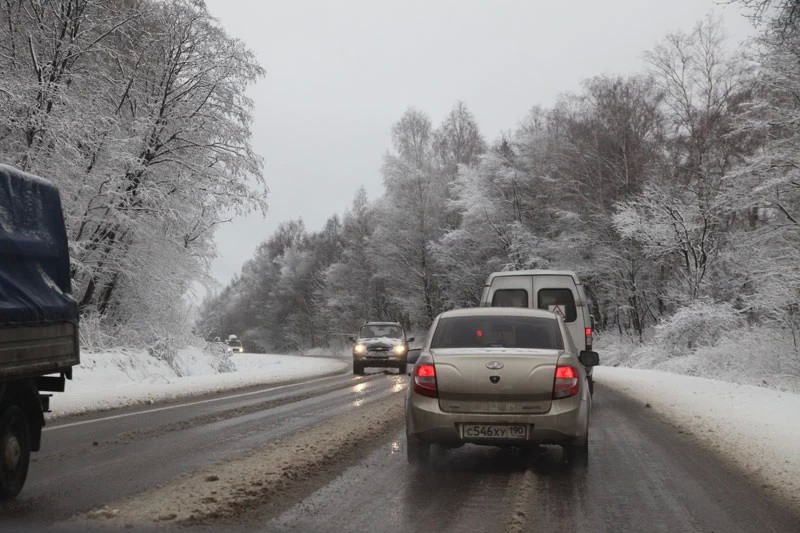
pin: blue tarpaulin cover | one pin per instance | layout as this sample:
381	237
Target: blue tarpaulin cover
34	254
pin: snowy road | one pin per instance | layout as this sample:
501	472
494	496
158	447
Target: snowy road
643	475
328	455
91	460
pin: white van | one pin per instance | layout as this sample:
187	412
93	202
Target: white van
559	291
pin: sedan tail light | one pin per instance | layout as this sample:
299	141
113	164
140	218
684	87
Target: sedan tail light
425	380
566	383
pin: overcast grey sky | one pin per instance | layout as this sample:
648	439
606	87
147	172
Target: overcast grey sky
339	74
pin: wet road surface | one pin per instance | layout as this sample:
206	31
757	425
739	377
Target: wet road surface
88	461
642	474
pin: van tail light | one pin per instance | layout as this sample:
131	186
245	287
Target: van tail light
425	380
588	338
566	383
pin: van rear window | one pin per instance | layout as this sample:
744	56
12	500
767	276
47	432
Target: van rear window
560	297
510	298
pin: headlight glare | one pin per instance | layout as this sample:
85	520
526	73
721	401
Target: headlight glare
360	349
399	349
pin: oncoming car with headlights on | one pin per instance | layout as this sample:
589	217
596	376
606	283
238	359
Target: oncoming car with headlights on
499	377
380	344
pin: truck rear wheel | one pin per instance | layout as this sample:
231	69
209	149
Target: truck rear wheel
15	451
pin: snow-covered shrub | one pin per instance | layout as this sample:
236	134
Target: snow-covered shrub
202	358
163	350
94	335
763	356
196	358
616	349
701	323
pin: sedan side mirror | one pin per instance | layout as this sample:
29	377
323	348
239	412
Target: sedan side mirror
351	339
410	339
413	355
588	358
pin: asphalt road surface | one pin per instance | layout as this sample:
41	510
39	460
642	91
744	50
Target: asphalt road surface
642	474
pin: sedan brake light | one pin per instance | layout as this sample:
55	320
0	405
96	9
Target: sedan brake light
566	382
425	380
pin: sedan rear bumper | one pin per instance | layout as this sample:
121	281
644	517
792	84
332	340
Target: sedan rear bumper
567	421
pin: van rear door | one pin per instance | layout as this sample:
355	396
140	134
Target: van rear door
559	293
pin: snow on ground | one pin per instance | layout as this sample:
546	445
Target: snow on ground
118	378
757	428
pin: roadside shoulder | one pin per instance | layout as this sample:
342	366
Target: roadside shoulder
753	427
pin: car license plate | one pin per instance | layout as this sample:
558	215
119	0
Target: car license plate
493	431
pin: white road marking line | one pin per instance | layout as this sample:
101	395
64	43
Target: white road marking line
167	407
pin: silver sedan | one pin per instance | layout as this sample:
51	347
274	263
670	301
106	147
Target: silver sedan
498	377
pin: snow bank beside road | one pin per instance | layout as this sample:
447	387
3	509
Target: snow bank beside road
119	378
757	428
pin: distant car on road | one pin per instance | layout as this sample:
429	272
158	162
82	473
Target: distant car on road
499	377
380	344
235	346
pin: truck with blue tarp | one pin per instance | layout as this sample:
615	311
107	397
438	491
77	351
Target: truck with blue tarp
39	341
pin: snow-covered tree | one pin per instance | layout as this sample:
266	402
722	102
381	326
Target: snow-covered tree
412	216
137	110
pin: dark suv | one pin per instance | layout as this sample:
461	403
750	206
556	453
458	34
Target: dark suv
380	344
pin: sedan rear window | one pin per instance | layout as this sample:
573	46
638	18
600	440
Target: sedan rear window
498	332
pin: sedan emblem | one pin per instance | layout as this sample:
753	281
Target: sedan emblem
494	365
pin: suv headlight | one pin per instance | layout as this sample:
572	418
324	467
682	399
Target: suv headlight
360	349
399	349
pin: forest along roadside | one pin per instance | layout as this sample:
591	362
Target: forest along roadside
277	473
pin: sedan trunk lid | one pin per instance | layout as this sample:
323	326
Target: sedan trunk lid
495	380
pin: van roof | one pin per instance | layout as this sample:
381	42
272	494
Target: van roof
570	273
499	311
